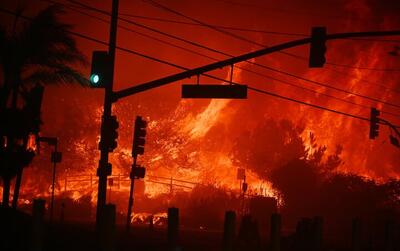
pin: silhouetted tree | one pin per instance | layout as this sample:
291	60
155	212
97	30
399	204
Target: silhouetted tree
274	144
39	52
298	181
270	145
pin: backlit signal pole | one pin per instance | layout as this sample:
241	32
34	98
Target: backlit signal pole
374	127
137	172
104	168
55	158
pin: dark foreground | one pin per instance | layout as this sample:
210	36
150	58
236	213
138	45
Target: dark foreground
19	231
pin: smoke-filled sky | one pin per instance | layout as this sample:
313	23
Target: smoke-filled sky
73	113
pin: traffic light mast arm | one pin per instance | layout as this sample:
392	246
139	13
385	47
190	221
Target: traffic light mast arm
231	61
395	128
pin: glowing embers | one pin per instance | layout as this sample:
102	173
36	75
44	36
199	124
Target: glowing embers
157	219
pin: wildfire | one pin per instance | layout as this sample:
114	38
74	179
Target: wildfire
193	147
158	219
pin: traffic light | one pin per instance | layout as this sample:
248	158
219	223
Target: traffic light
107	171
101	72
109	134
394	141
317	47
139	136
138	172
374	123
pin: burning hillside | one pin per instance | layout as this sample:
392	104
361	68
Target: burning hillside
199	145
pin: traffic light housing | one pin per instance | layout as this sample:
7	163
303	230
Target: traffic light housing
394	141
104	171
138	172
109	134
139	136
374	123
101	72
317	47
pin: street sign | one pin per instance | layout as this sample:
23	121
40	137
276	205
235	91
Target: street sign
215	91
49	140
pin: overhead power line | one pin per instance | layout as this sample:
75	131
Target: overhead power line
126	28
207	75
241	68
165	8
291	12
269	32
307	13
219	26
169	35
229	55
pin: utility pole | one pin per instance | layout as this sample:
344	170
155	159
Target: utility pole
137	171
104	168
244	190
55	158
131	190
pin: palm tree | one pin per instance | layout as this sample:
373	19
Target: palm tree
41	51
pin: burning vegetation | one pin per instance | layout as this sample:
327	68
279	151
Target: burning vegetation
311	162
192	164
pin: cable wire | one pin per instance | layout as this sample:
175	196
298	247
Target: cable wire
241	68
207	75
163	7
229	55
165	20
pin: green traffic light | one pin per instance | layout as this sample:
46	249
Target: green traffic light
94	78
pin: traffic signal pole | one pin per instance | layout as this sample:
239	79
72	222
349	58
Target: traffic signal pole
137	171
53	182
247	56
130	202
103	170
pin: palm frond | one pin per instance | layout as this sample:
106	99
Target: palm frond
43	51
57	56
57	74
46	38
